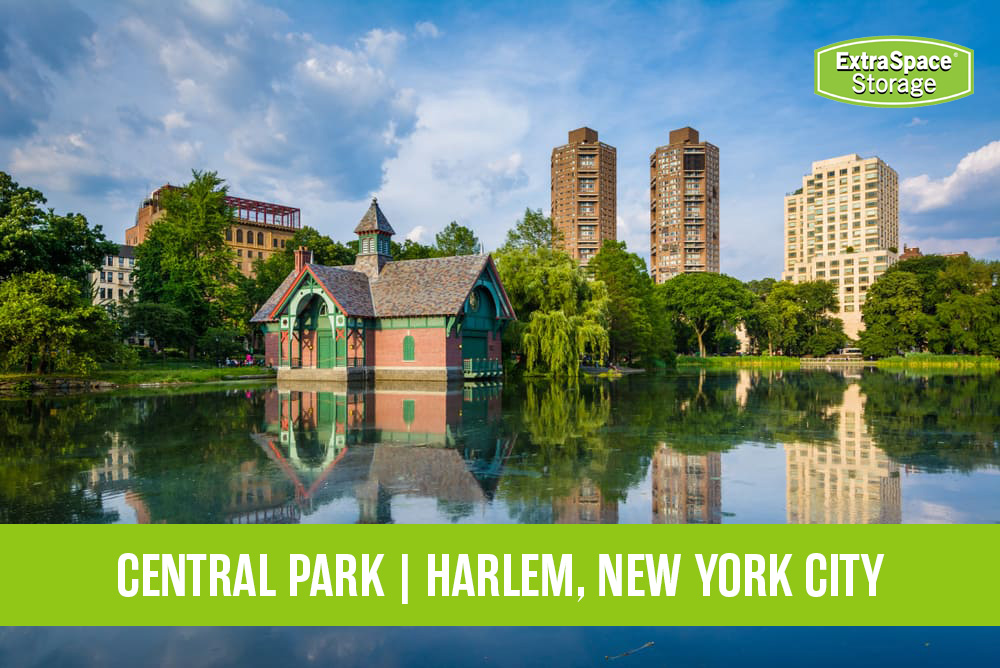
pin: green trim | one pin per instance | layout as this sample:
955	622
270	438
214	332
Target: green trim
413	322
409	348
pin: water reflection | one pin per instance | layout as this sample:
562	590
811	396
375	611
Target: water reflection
813	447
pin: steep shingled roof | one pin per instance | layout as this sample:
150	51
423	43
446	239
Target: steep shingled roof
374	221
348	287
435	286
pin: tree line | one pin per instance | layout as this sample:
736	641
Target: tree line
190	295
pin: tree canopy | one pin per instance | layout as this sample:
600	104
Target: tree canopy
705	301
37	239
456	239
532	232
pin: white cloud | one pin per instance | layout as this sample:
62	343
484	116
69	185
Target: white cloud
922	193
916	121
418	234
175	120
427	29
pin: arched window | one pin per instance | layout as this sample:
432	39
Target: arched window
239	236
229	234
260	238
409	351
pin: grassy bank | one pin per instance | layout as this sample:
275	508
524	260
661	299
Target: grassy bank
736	362
149	373
930	361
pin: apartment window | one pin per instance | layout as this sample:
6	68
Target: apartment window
282	243
102	277
260	238
229	234
587	161
121	276
409	349
249	253
111	261
239	252
586	208
102	293
588	185
239	236
121	293
131	262
274	243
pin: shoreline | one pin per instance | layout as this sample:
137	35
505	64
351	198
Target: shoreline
24	384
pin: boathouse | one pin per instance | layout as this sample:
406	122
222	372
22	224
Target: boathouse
438	319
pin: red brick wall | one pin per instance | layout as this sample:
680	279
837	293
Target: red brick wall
271	342
430	347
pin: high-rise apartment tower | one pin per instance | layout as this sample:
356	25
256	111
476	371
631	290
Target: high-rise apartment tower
683	206
584	194
842	226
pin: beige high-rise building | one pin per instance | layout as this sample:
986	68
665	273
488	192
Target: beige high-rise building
842	226
683	206
847	481
584	194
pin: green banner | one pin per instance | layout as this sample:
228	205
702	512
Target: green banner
499	575
894	71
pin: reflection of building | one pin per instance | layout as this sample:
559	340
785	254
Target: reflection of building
259	228
586	505
584	194
377	445
683	206
842	226
435	319
687	489
849	481
116	470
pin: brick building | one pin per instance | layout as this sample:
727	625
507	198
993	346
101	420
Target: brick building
259	228
436	319
584	194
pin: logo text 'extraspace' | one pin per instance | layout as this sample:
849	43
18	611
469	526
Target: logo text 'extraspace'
894	71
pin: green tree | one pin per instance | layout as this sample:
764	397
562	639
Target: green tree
561	316
413	250
532	232
47	324
893	314
456	239
633	325
704	301
164	323
37	239
185	261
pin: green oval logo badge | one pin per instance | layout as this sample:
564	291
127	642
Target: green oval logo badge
894	71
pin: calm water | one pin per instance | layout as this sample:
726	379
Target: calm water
547	647
764	447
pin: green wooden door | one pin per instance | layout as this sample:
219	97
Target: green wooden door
474	346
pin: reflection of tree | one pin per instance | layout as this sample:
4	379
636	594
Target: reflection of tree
189	453
40	442
935	422
563	439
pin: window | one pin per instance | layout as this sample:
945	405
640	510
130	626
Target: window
249	253
274	243
260	238
121	293
102	293
239	252
102	277
131	262
229	234
239	236
409	410
121	276
409	352
111	261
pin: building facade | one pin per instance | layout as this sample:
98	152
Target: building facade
438	319
683	206
259	228
113	282
584	194
842	226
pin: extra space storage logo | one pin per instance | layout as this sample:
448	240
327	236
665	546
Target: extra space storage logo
894	71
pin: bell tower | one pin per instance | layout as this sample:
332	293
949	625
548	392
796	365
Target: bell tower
374	234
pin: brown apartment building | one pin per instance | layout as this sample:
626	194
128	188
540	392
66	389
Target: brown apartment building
259	228
584	194
683	206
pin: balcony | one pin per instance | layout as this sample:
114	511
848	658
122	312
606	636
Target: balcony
481	367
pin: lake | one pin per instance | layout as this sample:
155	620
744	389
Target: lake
685	447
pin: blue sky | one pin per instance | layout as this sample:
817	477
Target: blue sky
449	111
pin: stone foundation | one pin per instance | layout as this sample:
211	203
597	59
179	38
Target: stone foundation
409	374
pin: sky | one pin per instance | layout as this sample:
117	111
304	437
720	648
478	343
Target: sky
449	111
